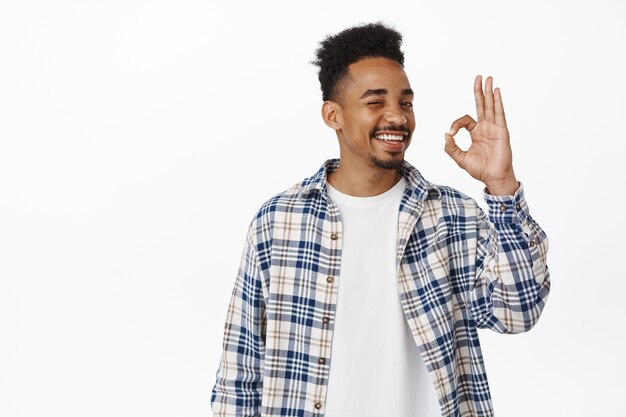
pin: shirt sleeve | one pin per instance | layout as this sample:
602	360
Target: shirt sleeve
239	378
512	280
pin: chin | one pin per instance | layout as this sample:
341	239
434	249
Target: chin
388	163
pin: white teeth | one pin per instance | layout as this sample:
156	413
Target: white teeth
389	137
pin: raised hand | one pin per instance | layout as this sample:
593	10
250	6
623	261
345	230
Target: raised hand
489	158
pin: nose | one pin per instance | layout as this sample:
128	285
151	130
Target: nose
395	116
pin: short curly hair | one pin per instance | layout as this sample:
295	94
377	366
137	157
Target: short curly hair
337	52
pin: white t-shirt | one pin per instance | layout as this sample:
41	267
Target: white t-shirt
376	369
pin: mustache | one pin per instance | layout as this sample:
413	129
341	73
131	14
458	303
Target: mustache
395	128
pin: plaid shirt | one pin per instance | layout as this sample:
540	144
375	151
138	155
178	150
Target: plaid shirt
458	270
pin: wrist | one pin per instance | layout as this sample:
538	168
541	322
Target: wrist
503	187
507	208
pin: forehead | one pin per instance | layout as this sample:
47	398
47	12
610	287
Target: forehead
377	73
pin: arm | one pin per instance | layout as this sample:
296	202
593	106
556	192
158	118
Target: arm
239	378
511	284
512	280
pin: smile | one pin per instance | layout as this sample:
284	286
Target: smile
390	136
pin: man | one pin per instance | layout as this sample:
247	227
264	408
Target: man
361	288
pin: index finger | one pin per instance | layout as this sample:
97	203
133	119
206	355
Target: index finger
479	97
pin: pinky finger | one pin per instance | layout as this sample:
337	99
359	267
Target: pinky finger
499	108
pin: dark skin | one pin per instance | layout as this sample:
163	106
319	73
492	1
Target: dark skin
355	118
377	95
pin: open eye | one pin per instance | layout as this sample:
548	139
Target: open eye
408	104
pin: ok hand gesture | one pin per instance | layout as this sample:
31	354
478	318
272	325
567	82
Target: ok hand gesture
489	158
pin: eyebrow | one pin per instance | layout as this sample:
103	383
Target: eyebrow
383	91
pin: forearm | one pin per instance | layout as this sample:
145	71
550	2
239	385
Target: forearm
239	379
504	187
512	278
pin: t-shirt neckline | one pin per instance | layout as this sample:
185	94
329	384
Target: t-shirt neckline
338	196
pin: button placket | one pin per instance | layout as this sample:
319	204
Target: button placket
330	279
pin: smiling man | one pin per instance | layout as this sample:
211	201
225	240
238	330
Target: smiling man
373	118
362	287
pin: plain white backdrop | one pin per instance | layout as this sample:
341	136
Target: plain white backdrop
138	138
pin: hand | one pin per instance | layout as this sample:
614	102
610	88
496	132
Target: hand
489	158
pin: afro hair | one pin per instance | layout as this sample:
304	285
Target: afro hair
337	52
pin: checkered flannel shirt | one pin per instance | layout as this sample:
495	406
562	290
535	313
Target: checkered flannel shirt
458	270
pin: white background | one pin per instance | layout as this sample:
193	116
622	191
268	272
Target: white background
138	138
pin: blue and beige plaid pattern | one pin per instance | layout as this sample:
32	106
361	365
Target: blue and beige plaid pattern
458	270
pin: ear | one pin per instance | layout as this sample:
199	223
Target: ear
331	113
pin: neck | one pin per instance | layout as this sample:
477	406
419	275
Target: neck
364	181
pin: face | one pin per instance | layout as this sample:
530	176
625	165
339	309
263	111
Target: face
375	116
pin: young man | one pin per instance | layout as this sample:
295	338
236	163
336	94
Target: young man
361	288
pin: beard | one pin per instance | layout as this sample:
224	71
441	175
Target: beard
395	162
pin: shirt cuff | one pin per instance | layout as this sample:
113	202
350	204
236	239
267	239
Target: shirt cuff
507	208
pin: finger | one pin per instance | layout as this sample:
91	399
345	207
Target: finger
499	108
456	153
466	121
479	97
489	112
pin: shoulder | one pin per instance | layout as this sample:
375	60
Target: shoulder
434	195
452	204
454	196
282	201
276	209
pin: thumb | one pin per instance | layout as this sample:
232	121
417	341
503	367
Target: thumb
454	151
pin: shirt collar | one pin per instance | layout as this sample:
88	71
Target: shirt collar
416	182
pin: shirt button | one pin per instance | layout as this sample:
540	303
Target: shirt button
330	279
518	207
321	361
325	319
334	236
318	405
502	208
532	243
